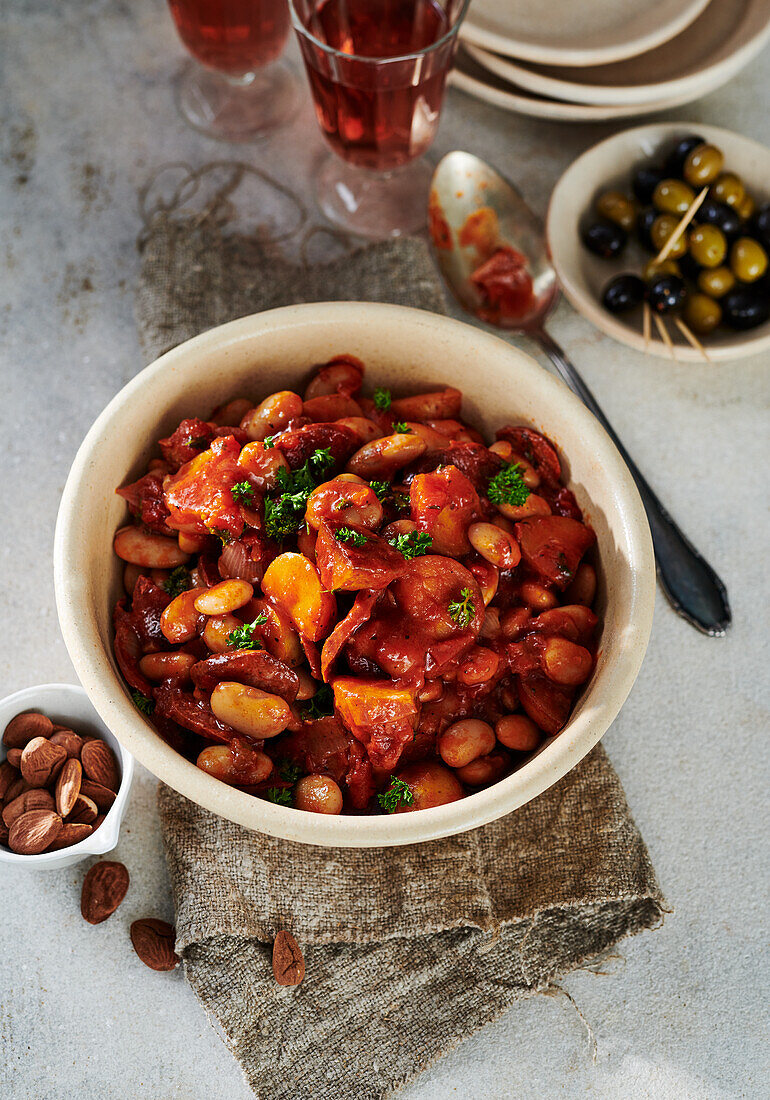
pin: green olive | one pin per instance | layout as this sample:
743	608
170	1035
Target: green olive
729	189
673	197
703	165
747	207
662	228
748	260
702	314
617	208
716	281
708	245
653	270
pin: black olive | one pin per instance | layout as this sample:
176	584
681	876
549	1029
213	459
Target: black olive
667	292
679	154
644	223
721	215
689	267
746	307
760	224
604	239
645	179
623	293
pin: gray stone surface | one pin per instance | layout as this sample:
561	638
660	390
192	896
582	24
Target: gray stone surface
87	117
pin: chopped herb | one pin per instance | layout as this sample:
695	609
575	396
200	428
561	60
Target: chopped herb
507	487
142	703
397	794
413	544
401	500
222	534
243	492
280	795
199	442
288	771
285	512
341	504
347	534
381	398
243	636
400	428
268	442
380	489
462	611
320	706
177	581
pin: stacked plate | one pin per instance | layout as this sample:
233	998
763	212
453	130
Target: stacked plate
607	58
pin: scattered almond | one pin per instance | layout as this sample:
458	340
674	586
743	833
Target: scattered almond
288	962
153	942
102	796
33	799
84	810
13	756
8	776
100	765
71	833
16	788
70	741
104	888
21	729
34	831
40	761
68	786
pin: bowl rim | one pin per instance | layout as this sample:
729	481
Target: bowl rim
42	696
109	695
655	133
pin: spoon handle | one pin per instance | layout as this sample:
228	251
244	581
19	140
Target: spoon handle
690	584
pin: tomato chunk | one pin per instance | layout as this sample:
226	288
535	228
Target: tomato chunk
199	497
380	713
443	505
553	546
347	567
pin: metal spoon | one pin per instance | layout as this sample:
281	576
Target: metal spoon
462	185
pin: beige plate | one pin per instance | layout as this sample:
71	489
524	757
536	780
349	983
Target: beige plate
583	276
469	77
706	55
564	32
406	350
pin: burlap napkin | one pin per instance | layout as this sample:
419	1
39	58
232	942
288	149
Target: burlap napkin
408	950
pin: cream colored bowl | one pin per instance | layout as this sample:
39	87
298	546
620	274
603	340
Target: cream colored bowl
406	350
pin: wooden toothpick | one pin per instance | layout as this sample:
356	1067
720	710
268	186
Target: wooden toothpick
646	315
664	335
680	228
691	338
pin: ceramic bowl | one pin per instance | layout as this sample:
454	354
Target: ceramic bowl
406	350
70	706
583	275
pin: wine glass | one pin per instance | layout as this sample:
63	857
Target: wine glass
377	71
242	91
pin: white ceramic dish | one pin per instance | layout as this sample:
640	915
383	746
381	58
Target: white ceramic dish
583	276
701	59
562	32
70	706
407	350
470	77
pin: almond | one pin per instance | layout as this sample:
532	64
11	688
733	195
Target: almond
21	729
97	821
13	756
102	796
70	741
100	765
8	776
19	786
71	833
33	799
68	786
40	761
288	963
32	833
153	942
104	888
84	810
3	833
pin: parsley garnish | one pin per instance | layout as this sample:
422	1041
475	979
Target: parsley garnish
243	492
380	489
401	500
400	428
289	772
280	795
413	544
142	703
268	442
381	398
347	534
397	794
320	706
199	442
507	487
177	581
222	534
462	611
284	513
243	636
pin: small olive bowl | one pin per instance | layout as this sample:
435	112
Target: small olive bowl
408	351
68	705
